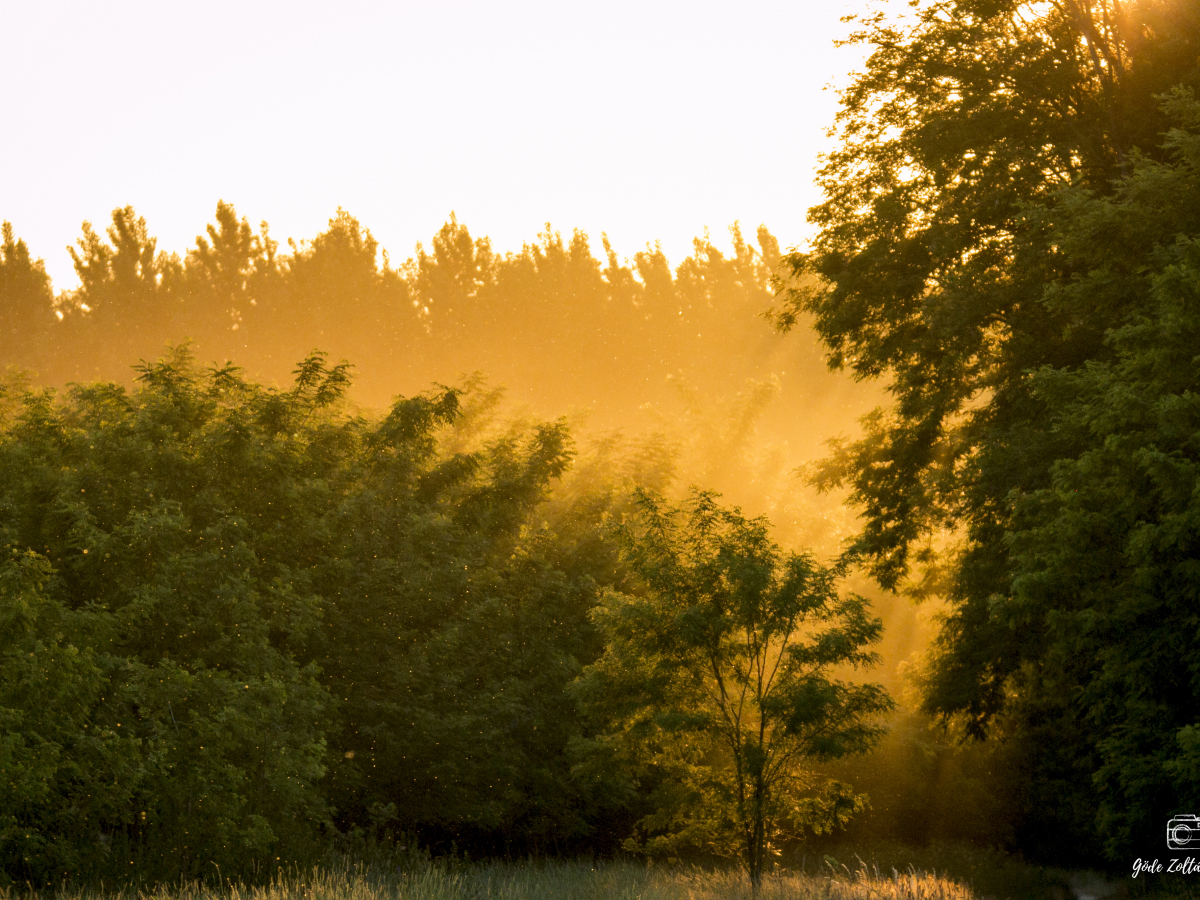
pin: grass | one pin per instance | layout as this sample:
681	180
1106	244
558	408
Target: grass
989	873
948	871
559	881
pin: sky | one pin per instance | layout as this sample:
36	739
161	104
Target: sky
648	121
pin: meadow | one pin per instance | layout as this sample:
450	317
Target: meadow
946	871
579	880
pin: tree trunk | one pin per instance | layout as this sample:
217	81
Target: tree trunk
755	830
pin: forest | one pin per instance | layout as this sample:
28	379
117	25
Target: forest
889	539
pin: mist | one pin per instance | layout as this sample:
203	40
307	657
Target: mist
660	375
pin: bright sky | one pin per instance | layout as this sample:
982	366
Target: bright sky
646	120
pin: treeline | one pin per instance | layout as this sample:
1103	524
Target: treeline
558	325
252	624
238	623
244	627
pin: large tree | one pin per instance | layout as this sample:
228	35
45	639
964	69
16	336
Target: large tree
1104	557
934	268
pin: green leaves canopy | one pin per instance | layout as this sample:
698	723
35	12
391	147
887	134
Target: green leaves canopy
1105	556
962	257
153	562
235	618
720	676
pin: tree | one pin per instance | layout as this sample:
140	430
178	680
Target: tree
121	279
156	606
237	620
449	279
26	300
336	294
227	276
1104	555
720	675
935	267
959	123
451	638
126	304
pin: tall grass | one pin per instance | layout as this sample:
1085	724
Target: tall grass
553	881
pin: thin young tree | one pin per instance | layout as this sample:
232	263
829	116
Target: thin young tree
720	679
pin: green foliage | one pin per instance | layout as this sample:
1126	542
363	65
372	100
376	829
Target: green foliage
1104	556
236	617
454	638
968	254
149	516
719	677
964	118
49	687
418	582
